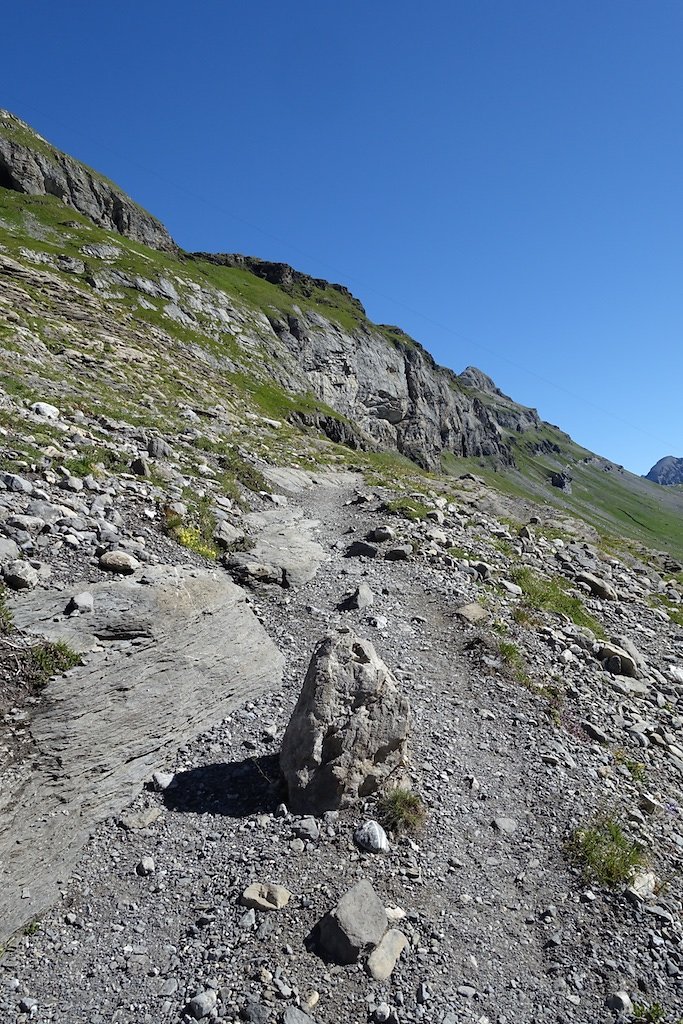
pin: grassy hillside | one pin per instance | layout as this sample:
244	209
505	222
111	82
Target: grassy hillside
121	350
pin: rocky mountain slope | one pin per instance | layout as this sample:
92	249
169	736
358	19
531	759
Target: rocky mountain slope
204	493
668	471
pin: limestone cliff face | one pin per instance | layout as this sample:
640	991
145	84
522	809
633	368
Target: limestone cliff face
31	165
392	389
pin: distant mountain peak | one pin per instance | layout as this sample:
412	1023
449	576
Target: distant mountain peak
668	471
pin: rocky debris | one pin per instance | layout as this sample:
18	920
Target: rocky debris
465	885
43	170
355	926
349	731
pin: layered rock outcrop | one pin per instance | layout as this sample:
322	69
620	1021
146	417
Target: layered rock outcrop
31	165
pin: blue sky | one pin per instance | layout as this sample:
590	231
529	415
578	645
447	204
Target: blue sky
503	180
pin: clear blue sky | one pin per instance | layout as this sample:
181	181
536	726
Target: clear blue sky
503	180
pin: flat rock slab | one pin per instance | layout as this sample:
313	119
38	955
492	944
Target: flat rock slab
294	481
166	655
283	547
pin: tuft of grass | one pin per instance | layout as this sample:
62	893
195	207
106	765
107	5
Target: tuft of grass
401	810
550	595
605	852
673	610
514	661
196	535
52	657
409	508
644	1014
6	621
94	461
636	769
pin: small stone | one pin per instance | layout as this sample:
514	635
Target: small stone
472	613
382	1013
119	562
20	575
48	412
620	1002
265	896
401	553
248	919
27	1004
371	836
384	957
307	828
162	780
507	825
81	604
362	597
293	1015
202	1005
595	734
380	535
146	866
359	549
356	924
311	1000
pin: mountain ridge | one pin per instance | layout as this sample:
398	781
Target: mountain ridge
369	386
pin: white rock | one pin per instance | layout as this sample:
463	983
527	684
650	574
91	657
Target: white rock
371	836
48	412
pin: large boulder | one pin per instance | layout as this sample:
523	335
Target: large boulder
348	733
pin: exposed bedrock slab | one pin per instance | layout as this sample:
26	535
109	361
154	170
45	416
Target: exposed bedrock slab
284	551
167	654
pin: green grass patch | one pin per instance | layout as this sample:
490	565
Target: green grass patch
402	811
52	657
636	769
550	595
197	533
604	851
673	610
409	508
458	552
514	661
6	621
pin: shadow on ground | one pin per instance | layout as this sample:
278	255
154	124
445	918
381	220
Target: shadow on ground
235	789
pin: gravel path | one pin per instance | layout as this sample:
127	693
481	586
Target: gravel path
501	928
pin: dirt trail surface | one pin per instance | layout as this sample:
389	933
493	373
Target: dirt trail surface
501	928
